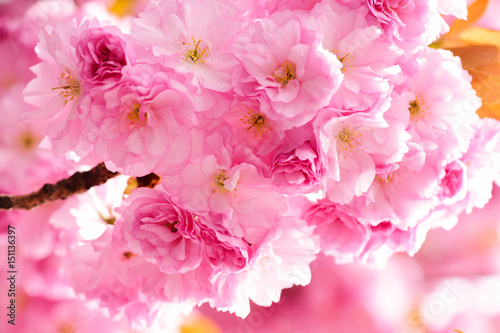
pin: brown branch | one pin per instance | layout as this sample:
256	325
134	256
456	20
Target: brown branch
79	182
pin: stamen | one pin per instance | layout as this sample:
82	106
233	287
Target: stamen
256	121
219	183
195	55
285	73
128	255
71	89
348	138
345	60
171	226
417	108
135	115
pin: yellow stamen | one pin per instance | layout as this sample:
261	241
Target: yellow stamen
71	89
256	122
219	183
285	73
345	60
135	116
195	55
417	108
348	138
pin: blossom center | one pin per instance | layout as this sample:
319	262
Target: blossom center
285	73
196	53
256	122
417	108
387	178
348	138
219	183
135	116
344	60
128	255
109	219
70	87
171	226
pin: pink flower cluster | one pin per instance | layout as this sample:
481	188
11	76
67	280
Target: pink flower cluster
247	110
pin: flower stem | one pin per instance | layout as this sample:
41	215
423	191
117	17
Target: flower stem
79	182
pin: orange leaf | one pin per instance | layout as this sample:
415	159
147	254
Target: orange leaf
476	10
489	111
476	55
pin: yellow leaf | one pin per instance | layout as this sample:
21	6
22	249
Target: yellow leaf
477	35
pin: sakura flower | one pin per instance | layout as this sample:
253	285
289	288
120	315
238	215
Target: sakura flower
193	36
231	194
341	235
285	67
350	147
161	231
403	195
481	160
102	54
297	167
410	24
454	183
444	105
57	89
368	61
253	129
279	261
224	251
112	276
138	123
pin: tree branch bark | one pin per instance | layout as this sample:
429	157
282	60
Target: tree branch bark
79	182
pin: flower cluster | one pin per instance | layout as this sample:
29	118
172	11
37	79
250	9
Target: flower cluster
247	110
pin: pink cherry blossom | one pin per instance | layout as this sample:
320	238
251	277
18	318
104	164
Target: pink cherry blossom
194	36
350	146
410	24
253	129
161	231
284	65
229	193
341	235
148	115
444	105
483	154
102	54
297	166
279	261
402	195
57	89
368	61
